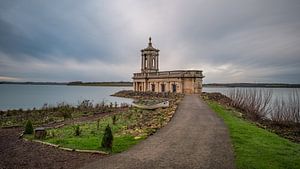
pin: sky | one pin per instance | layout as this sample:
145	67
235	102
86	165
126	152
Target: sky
96	40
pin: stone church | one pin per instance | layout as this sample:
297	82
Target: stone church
176	81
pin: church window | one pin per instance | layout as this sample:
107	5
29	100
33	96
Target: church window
153	87
174	88
153	62
163	86
146	62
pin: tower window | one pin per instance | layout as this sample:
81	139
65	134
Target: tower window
153	63
146	62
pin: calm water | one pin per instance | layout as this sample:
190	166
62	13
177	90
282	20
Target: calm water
28	96
276	92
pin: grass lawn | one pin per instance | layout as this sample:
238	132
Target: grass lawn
91	134
256	148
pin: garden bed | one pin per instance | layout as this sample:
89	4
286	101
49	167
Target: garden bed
128	127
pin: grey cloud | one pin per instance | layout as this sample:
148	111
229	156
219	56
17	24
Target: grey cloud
228	39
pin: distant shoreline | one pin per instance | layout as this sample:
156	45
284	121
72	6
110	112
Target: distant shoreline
130	84
260	85
115	84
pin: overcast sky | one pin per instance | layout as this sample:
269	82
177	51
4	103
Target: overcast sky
94	40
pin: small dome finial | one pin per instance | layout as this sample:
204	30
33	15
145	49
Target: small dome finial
150	39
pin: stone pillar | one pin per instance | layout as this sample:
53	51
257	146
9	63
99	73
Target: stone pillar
182	85
133	86
157	62
142	64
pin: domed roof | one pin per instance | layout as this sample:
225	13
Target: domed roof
150	47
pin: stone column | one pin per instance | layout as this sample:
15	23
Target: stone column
133	86
157	62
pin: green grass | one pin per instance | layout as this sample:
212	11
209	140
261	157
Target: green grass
256	148
91	136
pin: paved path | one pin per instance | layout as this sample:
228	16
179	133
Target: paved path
194	138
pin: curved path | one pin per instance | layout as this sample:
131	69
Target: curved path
194	138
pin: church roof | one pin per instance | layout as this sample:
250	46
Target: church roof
150	47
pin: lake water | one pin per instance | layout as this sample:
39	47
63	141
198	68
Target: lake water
276	92
14	96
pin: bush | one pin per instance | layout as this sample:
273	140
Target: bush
28	128
77	130
98	124
107	139
114	119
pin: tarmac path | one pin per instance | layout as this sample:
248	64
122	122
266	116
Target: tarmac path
194	138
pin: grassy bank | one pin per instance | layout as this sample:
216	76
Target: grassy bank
255	147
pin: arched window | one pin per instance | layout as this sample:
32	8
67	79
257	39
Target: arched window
146	62
153	63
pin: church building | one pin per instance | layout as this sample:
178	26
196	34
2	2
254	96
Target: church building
176	81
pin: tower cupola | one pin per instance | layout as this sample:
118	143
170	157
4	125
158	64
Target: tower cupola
149	58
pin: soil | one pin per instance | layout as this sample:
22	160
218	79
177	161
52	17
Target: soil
17	153
290	131
218	97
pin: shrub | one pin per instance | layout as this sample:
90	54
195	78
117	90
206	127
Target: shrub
98	124
77	130
107	139
28	128
114	119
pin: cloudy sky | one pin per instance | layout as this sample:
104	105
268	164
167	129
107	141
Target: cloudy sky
97	40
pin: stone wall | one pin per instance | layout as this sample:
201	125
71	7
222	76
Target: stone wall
185	81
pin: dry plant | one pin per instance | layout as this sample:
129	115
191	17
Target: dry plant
254	102
287	110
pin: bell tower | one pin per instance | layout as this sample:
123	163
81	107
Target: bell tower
149	59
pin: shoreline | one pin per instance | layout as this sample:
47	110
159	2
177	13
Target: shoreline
130	84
